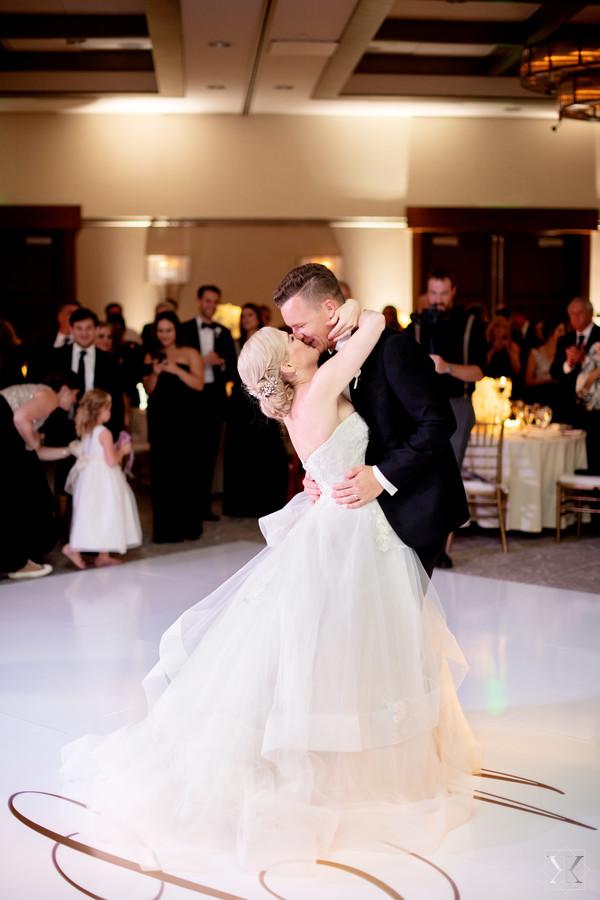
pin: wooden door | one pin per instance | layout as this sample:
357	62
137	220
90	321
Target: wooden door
538	259
37	261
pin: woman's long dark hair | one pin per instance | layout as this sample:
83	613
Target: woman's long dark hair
256	310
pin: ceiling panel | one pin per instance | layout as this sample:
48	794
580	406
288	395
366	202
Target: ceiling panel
275	56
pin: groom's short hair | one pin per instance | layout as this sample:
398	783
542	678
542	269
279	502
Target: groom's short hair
314	282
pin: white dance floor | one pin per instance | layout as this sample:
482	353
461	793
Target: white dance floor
73	650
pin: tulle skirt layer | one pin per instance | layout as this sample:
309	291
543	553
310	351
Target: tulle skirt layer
307	706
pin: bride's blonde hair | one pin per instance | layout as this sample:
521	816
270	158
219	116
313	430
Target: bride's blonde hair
259	365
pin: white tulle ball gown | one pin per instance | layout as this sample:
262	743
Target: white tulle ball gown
305	707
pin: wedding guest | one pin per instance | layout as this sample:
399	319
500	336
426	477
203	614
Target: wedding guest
455	342
174	381
94	367
588	392
40	355
105	517
265	313
128	335
503	355
540	386
571	350
129	356
255	457
521	327
27	528
390	314
11	355
216	346
32	404
149	343
104	337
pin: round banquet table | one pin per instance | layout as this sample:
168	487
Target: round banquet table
532	461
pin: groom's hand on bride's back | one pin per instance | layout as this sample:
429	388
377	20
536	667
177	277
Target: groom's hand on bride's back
312	488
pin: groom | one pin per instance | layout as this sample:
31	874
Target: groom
410	467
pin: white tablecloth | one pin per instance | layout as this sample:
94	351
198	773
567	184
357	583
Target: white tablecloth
531	466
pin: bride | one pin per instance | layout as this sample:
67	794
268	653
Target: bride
308	705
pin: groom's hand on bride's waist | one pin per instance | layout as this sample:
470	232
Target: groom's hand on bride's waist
359	488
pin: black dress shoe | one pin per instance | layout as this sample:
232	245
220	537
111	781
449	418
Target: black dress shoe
444	562
211	517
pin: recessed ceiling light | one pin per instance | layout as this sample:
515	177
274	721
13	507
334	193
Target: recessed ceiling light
215	87
219	45
283	87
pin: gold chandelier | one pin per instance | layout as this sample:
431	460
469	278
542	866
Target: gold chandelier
567	70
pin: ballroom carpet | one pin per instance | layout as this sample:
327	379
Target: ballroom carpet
532	558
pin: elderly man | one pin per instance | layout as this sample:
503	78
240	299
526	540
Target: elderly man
571	350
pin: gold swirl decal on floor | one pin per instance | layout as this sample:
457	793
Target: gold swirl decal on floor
360	873
499	800
78	887
66	841
166	878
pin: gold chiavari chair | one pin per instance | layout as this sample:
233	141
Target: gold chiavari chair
482	476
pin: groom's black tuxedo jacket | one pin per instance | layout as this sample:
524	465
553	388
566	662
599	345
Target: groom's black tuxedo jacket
410	424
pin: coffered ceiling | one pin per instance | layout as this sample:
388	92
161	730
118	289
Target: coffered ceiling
380	57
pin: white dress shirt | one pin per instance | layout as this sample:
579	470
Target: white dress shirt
207	345
383	481
89	362
586	334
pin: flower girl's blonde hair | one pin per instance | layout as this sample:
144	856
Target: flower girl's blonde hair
90	406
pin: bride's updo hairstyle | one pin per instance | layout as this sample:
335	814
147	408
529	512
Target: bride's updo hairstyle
259	365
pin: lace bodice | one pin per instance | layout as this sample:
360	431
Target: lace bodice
18	395
343	449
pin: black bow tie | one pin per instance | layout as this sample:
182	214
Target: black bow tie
208	325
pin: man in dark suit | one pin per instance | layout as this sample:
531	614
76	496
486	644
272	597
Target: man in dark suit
94	367
39	355
410	466
571	350
216	346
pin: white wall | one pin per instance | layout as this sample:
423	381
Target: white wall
231	167
378	265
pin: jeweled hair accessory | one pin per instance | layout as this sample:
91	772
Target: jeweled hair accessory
267	387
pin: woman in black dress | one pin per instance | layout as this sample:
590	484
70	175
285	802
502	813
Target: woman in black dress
255	458
174	380
27	523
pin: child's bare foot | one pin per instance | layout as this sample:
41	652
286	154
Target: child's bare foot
105	559
74	556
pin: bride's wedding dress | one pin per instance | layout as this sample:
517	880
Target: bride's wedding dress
306	706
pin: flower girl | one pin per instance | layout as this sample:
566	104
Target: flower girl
105	517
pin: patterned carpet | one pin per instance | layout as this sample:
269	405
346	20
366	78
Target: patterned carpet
574	564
